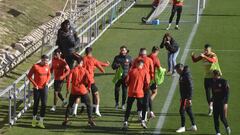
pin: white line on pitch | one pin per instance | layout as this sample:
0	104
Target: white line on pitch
171	92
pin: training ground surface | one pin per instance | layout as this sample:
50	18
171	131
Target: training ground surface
219	26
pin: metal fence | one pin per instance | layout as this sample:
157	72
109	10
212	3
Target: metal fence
19	94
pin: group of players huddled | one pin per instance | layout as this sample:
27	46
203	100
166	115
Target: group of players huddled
137	78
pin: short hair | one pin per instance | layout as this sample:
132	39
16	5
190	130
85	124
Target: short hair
140	61
207	46
142	50
88	50
155	48
216	73
123	47
44	57
79	59
57	51
179	65
65	22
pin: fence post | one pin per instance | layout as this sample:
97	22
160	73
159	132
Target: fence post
14	102
24	93
10	107
43	41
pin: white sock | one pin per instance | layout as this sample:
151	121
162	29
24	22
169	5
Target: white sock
97	108
41	119
169	25
146	116
75	109
34	117
210	107
176	25
140	113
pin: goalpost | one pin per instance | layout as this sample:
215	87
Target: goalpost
191	11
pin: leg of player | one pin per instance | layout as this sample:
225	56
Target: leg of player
43	97
145	108
171	17
153	94
179	12
130	101
216	114
75	107
207	86
124	95
116	94
182	114
36	98
224	119
96	99
190	114
170	57
173	62
72	99
87	101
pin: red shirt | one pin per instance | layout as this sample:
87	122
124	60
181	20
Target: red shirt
137	81
148	65
178	3
90	63
156	61
79	77
60	68
41	74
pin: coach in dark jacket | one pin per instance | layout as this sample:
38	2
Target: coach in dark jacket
123	60
186	91
173	49
67	42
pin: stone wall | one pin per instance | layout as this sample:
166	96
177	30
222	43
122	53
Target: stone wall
12	55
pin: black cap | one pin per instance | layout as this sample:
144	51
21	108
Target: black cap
123	47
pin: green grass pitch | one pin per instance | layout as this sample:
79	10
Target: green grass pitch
219	26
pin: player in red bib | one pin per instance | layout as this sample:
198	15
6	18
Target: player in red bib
79	79
91	63
153	87
60	69
137	81
41	73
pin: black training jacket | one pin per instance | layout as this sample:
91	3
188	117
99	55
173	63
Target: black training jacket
186	84
220	91
124	61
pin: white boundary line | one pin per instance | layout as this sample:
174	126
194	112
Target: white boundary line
172	90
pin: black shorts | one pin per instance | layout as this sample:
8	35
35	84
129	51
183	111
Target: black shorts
153	86
94	88
58	85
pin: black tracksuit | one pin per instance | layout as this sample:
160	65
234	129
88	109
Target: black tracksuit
220	91
186	91
125	62
67	43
